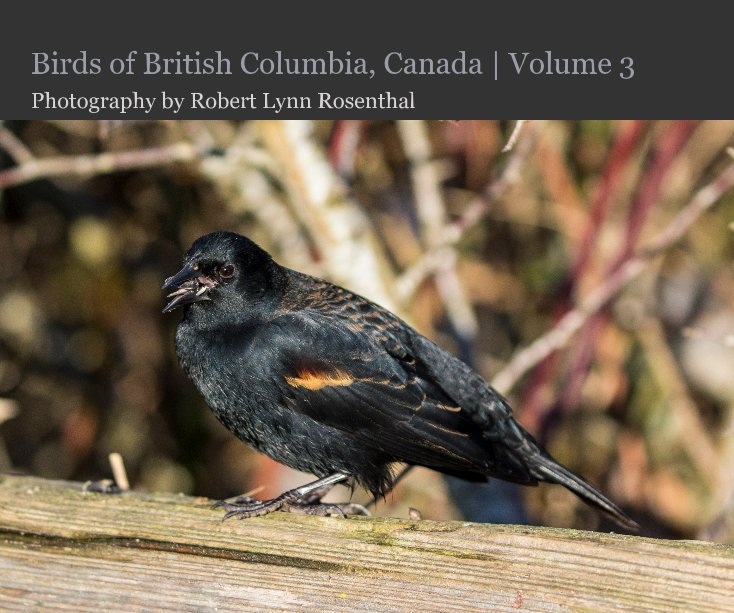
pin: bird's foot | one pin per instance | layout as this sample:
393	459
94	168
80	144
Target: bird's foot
322	509
305	500
312	497
245	506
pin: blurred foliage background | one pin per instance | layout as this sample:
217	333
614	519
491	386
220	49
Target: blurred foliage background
483	250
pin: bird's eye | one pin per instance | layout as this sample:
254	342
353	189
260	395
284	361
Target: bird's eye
227	271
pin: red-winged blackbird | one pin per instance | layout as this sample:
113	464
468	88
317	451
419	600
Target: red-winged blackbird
330	383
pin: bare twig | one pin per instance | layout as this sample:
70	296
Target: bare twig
409	281
337	226
89	165
509	176
627	137
430	206
243	175
692	434
514	136
570	323
344	145
727	340
667	148
8	410
118	471
431	210
107	126
629	134
15	147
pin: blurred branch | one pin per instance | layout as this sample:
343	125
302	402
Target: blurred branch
430	205
626	139
107	126
102	163
690	433
628	136
727	340
509	176
408	282
514	136
8	410
15	148
648	193
242	175
344	144
666	149
119	473
570	323
431	210
336	224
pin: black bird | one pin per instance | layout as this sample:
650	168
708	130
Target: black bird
327	382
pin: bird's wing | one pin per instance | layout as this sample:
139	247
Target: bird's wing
459	383
483	404
370	389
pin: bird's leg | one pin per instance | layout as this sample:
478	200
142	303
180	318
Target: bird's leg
313	497
311	504
292	500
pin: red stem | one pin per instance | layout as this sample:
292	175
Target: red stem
667	148
626	140
344	144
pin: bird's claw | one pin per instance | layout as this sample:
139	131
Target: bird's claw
249	508
319	509
245	506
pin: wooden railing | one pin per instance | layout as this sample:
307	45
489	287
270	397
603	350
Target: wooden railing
62	547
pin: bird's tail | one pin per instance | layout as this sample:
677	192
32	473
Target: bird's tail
547	469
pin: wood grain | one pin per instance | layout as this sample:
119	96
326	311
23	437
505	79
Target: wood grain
63	548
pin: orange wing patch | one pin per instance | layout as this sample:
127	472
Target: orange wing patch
319	379
445	407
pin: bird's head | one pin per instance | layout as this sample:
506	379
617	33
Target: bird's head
225	272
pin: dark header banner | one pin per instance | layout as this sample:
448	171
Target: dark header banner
367	60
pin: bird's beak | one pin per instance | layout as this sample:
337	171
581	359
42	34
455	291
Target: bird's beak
188	286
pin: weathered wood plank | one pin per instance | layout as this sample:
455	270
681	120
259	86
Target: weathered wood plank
64	548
